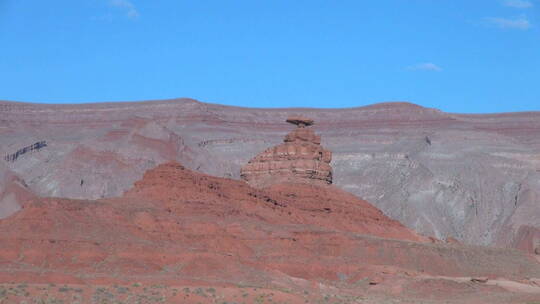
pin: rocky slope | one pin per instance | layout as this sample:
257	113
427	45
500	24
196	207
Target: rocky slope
472	177
297	242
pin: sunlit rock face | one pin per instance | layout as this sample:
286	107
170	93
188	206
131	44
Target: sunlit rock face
475	178
299	159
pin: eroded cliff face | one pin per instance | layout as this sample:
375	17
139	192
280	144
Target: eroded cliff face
300	159
472	177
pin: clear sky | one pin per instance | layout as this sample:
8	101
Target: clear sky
455	55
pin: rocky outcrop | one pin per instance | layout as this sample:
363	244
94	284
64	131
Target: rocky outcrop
301	158
471	177
13	193
31	148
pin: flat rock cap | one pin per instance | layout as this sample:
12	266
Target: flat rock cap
300	121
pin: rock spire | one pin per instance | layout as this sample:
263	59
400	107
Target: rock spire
299	159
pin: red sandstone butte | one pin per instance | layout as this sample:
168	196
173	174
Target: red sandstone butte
300	159
473	177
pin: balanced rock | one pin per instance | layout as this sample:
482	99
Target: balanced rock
300	121
301	158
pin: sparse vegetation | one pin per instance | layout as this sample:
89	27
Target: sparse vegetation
159	294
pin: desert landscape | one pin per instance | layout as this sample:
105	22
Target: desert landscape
250	152
181	201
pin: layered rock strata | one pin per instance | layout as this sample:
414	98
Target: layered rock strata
473	177
300	158
184	230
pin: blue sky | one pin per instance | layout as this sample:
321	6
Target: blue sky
456	55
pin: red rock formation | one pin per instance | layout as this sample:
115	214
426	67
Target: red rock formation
177	226
400	156
300	159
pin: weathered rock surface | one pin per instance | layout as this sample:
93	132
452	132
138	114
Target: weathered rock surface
300	159
13	193
177	227
472	177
